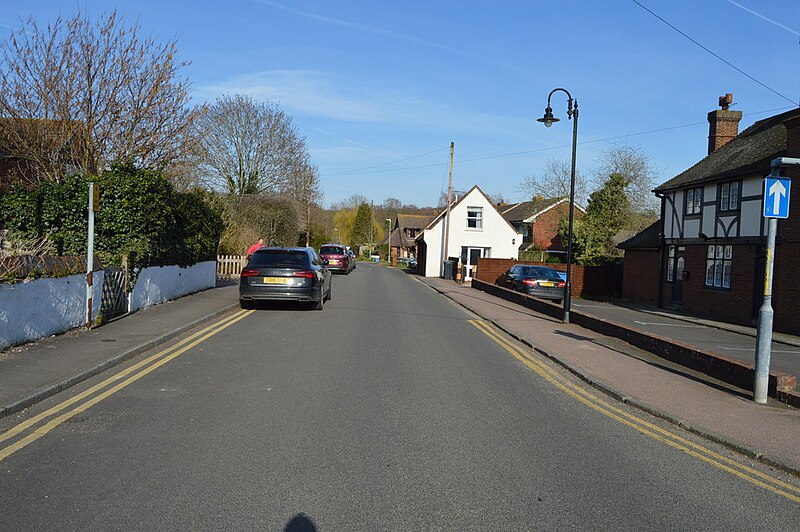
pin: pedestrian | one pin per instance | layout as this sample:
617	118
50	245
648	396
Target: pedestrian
252	249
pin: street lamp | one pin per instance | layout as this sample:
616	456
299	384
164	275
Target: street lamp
548	120
336	234
389	242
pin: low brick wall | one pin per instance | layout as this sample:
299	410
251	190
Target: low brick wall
734	372
489	270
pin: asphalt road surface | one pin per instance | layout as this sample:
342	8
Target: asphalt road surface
391	409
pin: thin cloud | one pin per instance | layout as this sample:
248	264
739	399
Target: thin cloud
321	95
765	18
390	34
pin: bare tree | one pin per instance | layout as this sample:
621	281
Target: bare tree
78	94
250	147
554	182
351	202
640	175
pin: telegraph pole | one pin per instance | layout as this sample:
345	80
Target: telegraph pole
449	201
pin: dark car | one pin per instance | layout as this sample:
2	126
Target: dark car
339	260
352	257
537	281
285	274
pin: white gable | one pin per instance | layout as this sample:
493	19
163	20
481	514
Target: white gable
474	223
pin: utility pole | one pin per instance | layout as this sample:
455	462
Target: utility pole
449	201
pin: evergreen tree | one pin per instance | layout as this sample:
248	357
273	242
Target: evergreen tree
608	211
363	226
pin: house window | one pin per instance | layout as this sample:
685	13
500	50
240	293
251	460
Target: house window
729	196
475	217
671	264
694	200
718	266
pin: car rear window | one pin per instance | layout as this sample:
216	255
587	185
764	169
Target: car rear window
279	259
541	273
331	250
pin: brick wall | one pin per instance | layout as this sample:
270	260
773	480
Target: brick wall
489	270
786	282
545	229
734	305
640	276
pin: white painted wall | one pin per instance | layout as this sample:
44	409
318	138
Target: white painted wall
162	283
43	307
496	234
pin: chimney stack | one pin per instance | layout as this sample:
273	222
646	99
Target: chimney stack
723	124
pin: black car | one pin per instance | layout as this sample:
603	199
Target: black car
285	274
537	281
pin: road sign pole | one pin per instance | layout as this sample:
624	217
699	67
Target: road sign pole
765	315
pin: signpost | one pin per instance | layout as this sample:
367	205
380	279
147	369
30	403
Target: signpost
94	203
776	205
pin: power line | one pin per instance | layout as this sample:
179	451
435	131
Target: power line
739	70
548	148
359	170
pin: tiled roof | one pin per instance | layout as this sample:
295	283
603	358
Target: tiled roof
750	152
413	221
522	211
648	238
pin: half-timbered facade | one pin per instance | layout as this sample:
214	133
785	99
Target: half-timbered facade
713	234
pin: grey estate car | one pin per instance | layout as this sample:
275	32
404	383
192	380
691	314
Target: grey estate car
285	274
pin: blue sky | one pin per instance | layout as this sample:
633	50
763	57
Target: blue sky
380	89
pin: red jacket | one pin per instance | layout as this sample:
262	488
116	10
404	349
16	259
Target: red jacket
252	249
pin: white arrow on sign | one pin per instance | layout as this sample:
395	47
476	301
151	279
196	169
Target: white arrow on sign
777	190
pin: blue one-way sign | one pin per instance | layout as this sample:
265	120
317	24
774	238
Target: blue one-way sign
776	197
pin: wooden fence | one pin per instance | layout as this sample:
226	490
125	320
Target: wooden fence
230	266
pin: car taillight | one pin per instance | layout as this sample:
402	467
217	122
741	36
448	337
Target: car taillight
307	274
562	284
249	272
529	282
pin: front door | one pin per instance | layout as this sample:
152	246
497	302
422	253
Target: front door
469	258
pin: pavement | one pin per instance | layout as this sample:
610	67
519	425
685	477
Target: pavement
768	433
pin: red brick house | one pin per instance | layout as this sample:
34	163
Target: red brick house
708	256
538	221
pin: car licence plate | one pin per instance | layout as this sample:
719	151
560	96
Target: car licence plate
276	280
547	284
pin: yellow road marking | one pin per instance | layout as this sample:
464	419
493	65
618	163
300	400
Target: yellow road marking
698	451
159	360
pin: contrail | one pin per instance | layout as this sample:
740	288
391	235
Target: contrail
762	17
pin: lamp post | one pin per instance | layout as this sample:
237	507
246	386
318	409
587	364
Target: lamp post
389	241
336	234
548	119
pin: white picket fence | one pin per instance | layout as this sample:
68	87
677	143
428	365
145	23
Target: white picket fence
230	266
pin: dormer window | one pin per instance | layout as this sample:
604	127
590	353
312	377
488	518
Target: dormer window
475	217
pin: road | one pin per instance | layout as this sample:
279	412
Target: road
391	409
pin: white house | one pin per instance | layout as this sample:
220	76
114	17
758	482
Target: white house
477	230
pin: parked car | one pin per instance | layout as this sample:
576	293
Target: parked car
537	281
412	263
285	274
339	260
352	257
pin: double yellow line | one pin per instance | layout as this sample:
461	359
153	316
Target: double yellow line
29	431
751	475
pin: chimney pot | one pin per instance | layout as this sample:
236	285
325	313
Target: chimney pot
723	124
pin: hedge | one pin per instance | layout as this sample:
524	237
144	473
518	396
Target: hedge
140	216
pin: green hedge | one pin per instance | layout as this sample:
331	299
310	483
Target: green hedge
140	216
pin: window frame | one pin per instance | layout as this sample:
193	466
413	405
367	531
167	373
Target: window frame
719	267
726	201
478	220
696	208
